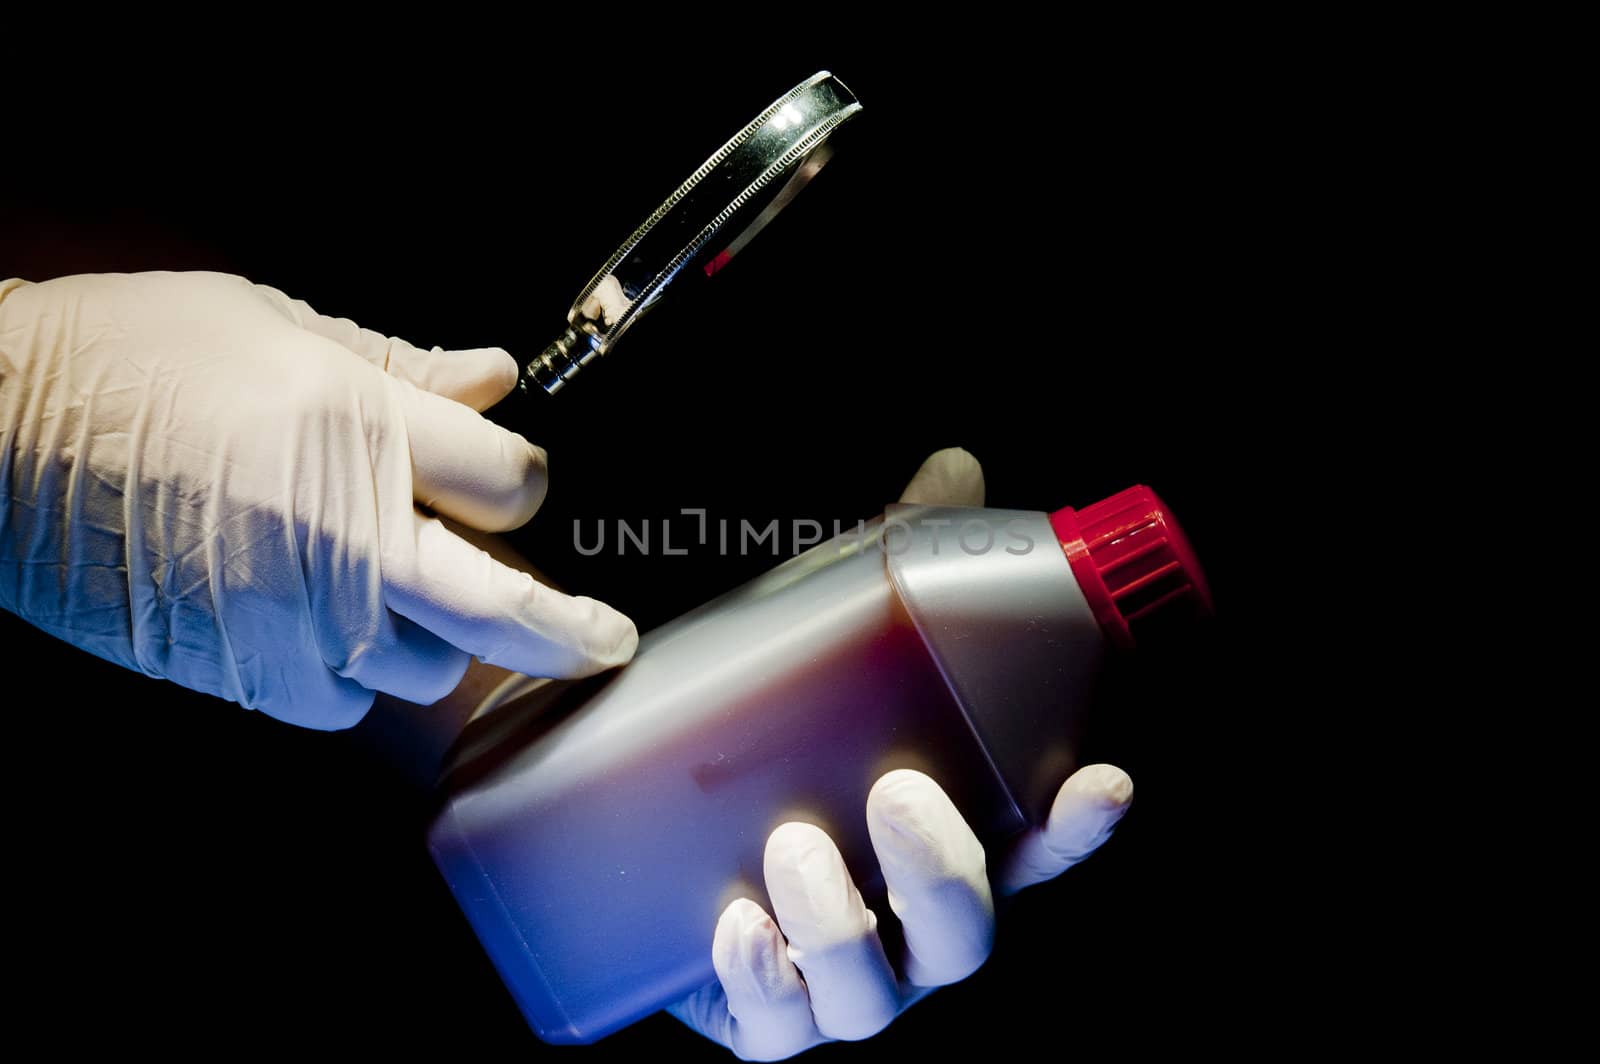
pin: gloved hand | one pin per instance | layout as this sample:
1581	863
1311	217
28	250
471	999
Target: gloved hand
814	969
205	480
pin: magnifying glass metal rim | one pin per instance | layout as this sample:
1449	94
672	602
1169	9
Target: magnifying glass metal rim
776	153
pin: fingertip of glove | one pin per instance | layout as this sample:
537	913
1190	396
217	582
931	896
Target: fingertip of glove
949	477
955	460
444	677
1110	784
900	797
535	474
486	375
745	914
627	644
749	928
540	459
521	491
920	836
900	782
795	843
621	636
602	638
747	950
500	368
340	708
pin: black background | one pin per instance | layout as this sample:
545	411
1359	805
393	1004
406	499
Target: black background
1092	264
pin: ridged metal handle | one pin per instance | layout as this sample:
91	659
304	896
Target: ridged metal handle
560	362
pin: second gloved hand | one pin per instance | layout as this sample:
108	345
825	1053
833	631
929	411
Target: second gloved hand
207	481
815	968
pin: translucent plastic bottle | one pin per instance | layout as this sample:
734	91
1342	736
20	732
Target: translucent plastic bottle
593	833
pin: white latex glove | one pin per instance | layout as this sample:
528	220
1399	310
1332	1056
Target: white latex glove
814	969
207	481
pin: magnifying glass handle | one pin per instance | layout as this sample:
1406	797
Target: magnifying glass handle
560	361
712	215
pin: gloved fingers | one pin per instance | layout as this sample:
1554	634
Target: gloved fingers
758	1007
951	477
467	467
934	868
504	616
315	697
832	935
1081	819
408	662
478	377
463	465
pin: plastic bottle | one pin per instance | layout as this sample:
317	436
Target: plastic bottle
593	833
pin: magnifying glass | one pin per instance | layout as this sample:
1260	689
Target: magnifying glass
701	226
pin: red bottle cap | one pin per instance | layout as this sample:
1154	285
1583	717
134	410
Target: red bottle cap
1132	561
